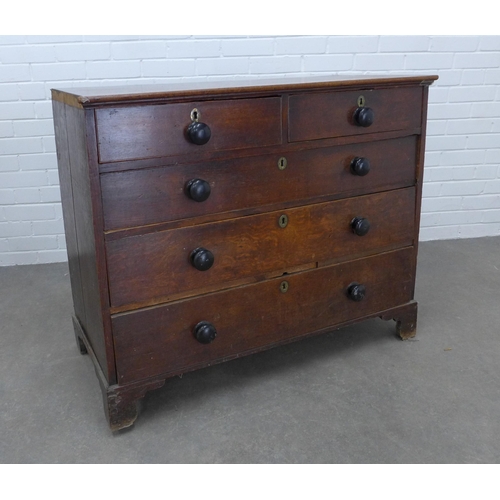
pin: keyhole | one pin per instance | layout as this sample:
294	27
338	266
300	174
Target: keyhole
195	115
361	101
283	220
282	163
284	286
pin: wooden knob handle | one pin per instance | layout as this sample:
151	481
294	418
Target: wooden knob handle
202	259
204	332
356	291
360	226
364	117
199	133
198	190
360	166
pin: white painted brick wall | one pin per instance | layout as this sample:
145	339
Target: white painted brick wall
462	176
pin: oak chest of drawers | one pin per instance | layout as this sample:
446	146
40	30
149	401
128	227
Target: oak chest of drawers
208	222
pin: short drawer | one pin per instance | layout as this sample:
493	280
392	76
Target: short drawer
160	340
157	267
331	114
149	196
149	131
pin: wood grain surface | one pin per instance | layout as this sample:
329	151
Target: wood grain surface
160	339
155	195
330	114
127	133
151	268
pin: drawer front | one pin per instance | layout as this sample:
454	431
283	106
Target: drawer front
149	131
331	114
160	339
150	196
155	267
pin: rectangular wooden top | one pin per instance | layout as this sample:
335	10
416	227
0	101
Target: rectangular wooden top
90	97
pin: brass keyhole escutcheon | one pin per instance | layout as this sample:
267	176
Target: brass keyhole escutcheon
283	220
282	163
361	101
195	115
284	286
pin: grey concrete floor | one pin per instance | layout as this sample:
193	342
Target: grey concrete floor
356	395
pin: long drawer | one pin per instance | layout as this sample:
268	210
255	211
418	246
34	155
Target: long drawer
160	339
128	133
149	196
331	114
156	267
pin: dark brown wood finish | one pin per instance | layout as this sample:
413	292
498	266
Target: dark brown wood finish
160	339
322	115
127	133
405	317
101	295
150	196
63	159
145	270
124	159
148	93
120	402
419	180
83	240
284	148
